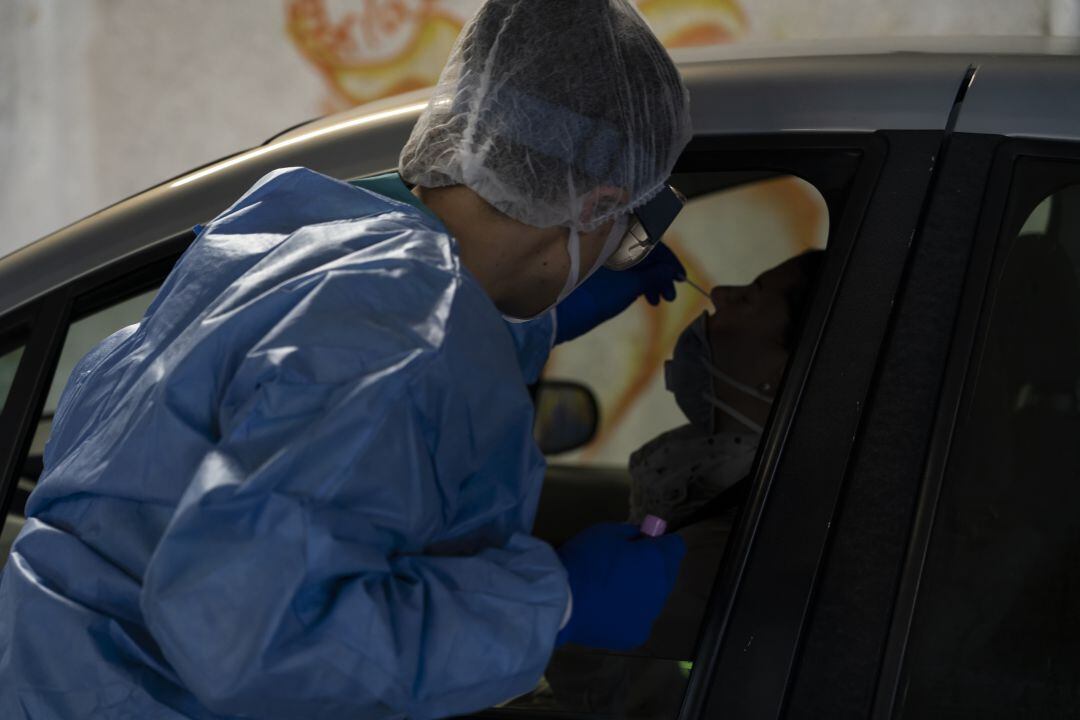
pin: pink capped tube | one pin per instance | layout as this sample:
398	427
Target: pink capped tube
653	526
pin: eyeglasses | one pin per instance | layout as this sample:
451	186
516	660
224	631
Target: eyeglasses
647	226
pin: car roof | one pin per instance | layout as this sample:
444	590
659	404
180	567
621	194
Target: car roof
937	45
1025	87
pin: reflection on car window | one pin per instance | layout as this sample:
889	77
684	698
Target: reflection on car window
676	455
997	623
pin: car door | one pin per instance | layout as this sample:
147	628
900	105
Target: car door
748	634
845	620
985	623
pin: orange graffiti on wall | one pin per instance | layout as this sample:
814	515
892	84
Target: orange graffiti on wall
387	47
384	48
693	23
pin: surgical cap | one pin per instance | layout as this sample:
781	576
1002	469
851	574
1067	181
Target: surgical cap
544	102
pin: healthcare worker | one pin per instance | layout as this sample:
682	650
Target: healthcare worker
303	485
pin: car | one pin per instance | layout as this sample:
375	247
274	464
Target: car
908	541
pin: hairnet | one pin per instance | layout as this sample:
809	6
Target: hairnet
544	102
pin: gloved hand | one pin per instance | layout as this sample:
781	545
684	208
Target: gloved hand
607	293
619	580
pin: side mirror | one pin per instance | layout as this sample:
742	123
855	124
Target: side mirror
567	416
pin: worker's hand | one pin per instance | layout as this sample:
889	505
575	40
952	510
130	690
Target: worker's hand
619	581
607	293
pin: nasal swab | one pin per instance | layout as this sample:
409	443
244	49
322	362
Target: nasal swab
697	287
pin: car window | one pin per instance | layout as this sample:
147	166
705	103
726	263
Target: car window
82	336
734	227
996	624
724	237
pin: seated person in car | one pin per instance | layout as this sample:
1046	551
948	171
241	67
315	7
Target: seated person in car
724	373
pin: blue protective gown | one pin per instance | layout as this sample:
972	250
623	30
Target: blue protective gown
301	487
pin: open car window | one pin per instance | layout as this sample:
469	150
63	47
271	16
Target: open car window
735	226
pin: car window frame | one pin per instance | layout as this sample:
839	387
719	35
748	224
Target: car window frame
849	616
999	224
798	155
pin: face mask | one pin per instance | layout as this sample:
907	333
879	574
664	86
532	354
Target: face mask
676	474
690	374
574	277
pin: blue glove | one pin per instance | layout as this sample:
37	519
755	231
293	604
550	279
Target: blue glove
619	580
607	293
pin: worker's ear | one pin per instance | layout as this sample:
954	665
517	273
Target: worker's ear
599	202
